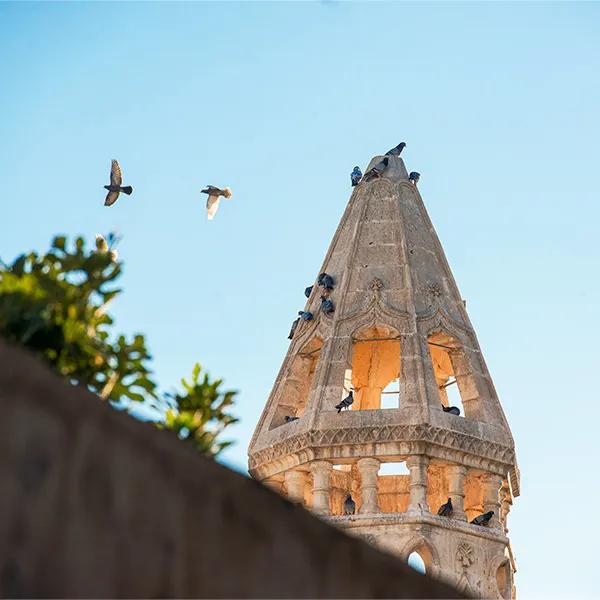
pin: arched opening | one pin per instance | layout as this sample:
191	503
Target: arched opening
455	381
298	383
503	580
416	562
375	368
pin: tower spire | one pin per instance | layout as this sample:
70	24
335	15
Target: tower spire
390	326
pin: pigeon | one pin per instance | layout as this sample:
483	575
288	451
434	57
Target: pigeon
115	188
377	170
308	291
355	176
214	197
326	281
483	519
453	410
414	177
293	329
346	402
445	510
108	244
397	151
349	505
327	305
305	315
289	419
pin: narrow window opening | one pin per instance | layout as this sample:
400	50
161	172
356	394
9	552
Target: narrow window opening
390	396
298	384
442	349
375	368
416	562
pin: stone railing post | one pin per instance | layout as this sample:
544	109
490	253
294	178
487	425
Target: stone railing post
321	472
294	483
456	476
417	465
368	468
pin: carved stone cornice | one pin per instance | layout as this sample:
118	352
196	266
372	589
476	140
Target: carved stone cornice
411	437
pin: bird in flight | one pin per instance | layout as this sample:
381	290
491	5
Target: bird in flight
115	188
214	197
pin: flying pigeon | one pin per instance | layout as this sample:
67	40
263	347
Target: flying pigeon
308	291
326	281
289	419
349	505
414	177
377	170
293	329
115	188
346	402
397	151
305	315
446	510
355	176
453	410
327	305
483	519
214	197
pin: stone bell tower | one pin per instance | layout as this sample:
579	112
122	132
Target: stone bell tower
400	339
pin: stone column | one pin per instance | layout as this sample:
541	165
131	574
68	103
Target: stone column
368	468
456	477
505	506
417	465
321	471
491	496
274	484
294	482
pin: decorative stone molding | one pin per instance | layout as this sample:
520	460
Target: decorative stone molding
479	449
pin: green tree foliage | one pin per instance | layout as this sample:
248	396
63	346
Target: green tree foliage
198	415
55	304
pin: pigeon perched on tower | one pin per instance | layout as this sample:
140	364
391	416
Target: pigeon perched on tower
346	402
453	410
377	170
446	510
115	187
483	519
325	281
414	177
396	150
349	505
289	419
356	176
327	305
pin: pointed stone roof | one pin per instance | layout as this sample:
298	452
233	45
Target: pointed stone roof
394	295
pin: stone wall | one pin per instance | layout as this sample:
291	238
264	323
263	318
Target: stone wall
96	504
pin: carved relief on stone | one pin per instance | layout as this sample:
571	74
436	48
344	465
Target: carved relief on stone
465	555
376	284
434	290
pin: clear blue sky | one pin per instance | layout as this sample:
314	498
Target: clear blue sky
499	104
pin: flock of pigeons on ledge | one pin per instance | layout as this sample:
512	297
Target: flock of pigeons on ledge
445	510
116	187
377	170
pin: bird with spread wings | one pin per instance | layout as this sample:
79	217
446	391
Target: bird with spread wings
115	188
214	198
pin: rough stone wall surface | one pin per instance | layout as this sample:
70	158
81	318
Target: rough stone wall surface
96	504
